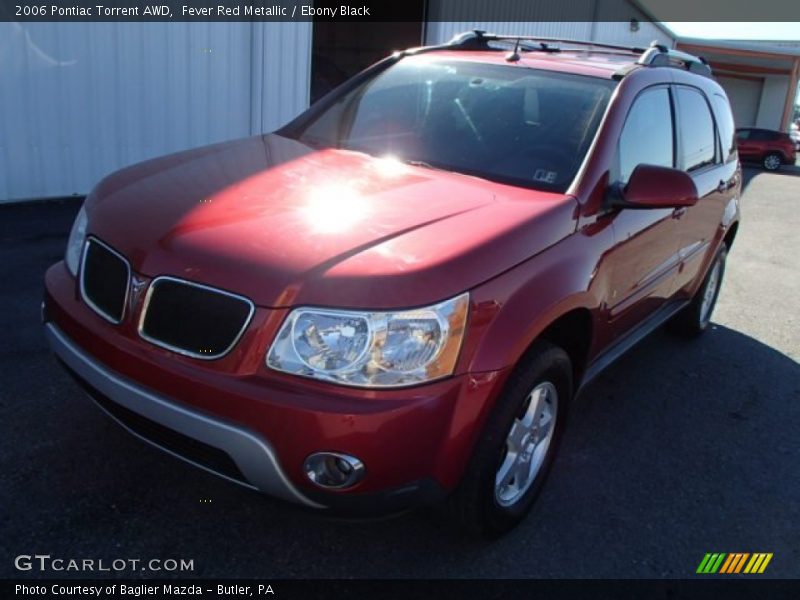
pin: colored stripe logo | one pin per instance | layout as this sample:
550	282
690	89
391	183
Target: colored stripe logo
736	562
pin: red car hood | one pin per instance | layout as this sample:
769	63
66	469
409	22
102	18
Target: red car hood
284	224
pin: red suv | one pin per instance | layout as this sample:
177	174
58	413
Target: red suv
394	299
770	148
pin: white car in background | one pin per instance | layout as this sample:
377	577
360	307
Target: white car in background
794	133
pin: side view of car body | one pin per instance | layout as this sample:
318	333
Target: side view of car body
394	299
769	148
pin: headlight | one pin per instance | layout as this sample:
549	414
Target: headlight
75	243
371	349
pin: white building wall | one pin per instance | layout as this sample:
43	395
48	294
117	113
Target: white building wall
745	97
616	32
531	18
512	10
442	31
80	100
281	73
610	32
773	97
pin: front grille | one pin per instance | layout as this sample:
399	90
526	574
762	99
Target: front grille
193	319
105	277
200	453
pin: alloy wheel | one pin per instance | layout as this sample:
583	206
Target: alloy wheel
710	292
772	162
527	444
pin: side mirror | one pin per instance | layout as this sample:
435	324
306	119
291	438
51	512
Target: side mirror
650	186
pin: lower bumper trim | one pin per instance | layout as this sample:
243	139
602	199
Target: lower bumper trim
189	449
149	416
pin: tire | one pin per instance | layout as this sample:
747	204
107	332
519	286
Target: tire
478	507
694	320
772	161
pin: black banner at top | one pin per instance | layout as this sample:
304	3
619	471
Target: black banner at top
400	10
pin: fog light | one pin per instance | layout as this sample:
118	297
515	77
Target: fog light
333	470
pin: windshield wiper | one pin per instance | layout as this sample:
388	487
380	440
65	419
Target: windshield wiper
423	164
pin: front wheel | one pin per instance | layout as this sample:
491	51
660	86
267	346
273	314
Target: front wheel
513	456
695	318
772	162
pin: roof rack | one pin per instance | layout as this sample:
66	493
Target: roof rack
478	39
658	55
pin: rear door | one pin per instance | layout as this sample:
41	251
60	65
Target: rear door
783	144
706	152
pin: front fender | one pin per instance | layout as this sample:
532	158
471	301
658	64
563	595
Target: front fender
512	310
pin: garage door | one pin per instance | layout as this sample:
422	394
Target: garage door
744	95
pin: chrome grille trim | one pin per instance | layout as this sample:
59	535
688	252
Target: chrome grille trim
183	351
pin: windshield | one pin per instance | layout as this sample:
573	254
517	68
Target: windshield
505	123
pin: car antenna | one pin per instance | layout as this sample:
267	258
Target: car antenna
513	56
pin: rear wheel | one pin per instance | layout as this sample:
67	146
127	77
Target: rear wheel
772	162
695	318
513	456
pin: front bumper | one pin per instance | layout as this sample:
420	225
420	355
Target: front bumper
240	420
252	459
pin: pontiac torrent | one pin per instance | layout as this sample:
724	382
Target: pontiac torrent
394	299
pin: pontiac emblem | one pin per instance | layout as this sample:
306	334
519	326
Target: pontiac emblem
138	286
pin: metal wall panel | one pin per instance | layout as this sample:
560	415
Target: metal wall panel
281	73
442	31
744	96
532	18
616	32
771	103
611	32
80	100
511	10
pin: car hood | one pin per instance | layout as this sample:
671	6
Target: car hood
286	224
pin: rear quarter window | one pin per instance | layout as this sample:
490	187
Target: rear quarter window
726	127
698	140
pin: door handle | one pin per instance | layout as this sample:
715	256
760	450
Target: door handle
723	186
679	212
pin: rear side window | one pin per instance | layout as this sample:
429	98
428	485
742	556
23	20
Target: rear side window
696	129
726	126
647	136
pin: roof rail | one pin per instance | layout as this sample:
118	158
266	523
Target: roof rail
658	55
478	39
